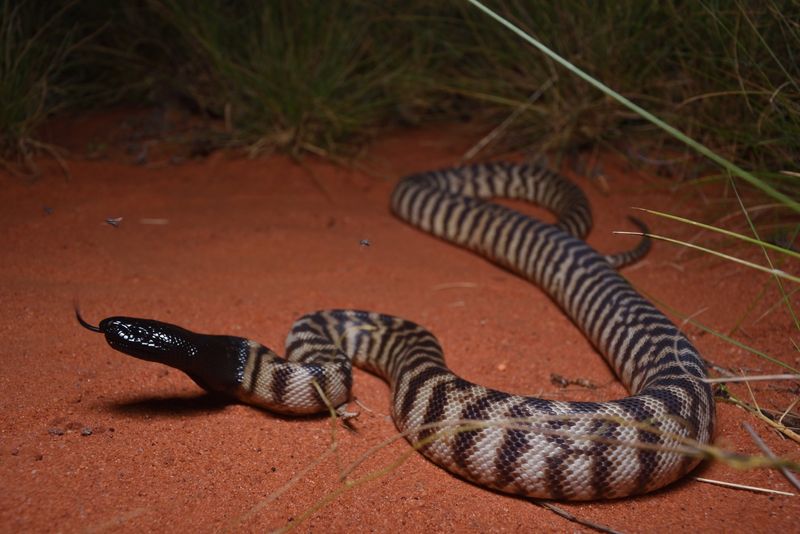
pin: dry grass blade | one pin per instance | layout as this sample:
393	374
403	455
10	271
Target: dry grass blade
488	138
452	428
721	335
331	450
769	454
575	519
775	422
722	231
773	271
743	487
750	378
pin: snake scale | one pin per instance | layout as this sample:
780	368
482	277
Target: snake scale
515	444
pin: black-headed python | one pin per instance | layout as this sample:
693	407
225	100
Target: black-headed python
521	445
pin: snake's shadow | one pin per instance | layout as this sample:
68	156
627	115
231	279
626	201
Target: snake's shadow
171	406
191	406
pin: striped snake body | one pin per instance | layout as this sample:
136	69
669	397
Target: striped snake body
516	444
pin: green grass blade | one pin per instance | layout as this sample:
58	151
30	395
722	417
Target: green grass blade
722	231
772	271
778	283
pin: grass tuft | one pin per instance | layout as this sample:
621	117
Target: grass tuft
322	77
36	47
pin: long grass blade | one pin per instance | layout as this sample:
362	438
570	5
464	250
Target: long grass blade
773	271
723	231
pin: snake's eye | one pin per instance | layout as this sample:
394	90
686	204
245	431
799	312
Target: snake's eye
123	331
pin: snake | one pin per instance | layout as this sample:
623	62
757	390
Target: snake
521	445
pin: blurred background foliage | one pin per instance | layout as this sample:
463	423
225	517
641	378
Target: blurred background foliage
324	77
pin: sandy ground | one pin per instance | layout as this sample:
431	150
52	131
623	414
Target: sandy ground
93	440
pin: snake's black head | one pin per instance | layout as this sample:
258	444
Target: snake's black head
216	363
147	339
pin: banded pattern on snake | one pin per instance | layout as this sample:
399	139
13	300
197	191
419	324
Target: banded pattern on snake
516	444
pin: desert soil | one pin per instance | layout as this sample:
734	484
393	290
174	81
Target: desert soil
93	440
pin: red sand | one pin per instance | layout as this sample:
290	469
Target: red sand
246	246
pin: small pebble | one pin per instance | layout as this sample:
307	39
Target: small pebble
86	431
55	431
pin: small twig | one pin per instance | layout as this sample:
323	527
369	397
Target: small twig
751	378
562	381
570	517
367	408
255	509
743	487
769	454
763	415
455	285
787	410
718	368
331	450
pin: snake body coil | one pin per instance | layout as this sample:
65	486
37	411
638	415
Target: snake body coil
515	444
